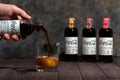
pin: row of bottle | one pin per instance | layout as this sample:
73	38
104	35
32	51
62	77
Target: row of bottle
71	38
89	42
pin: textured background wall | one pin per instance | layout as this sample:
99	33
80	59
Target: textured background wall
54	14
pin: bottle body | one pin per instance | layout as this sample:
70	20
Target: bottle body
25	30
105	43
71	42
15	27
89	42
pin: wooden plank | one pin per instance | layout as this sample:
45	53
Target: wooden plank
29	63
46	75
116	60
7	62
66	70
21	75
4	74
17	63
22	68
90	71
69	71
25	63
111	70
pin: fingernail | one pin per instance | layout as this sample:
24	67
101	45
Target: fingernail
29	17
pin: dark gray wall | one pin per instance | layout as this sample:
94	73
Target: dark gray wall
54	14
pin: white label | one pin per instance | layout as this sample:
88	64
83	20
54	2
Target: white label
10	26
71	45
106	46
89	46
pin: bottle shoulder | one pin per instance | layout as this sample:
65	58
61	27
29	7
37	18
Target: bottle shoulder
67	28
71	32
89	32
71	29
89	29
105	30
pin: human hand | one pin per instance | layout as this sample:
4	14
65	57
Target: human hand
10	11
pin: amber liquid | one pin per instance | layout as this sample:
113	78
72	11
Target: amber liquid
47	61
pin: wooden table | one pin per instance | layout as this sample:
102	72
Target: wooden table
66	70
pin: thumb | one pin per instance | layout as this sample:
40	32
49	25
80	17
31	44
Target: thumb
20	12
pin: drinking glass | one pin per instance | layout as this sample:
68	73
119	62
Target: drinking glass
47	57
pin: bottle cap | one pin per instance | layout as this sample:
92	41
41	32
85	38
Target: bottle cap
89	19
106	19
71	19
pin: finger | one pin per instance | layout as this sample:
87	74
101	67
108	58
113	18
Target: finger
21	12
6	36
19	17
15	37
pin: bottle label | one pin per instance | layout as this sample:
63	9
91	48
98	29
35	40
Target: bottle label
89	46
106	46
10	26
71	45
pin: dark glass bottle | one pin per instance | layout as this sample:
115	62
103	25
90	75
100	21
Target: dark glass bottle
89	42
106	42
20	29
71	42
27	29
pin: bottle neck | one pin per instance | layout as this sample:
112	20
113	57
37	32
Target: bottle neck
71	23
106	23
89	24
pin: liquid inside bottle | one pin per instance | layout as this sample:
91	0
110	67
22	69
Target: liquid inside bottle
71	42
89	42
106	42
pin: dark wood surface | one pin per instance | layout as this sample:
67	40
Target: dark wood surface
12	69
